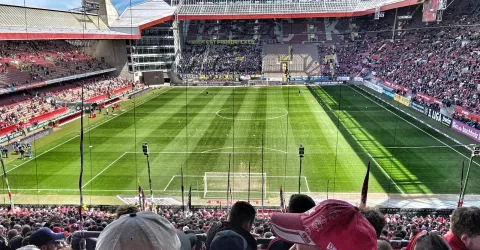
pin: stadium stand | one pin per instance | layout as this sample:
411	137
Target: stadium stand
26	62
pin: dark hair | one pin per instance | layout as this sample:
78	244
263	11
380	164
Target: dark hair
241	213
466	220
384	245
431	241
126	209
376	219
300	203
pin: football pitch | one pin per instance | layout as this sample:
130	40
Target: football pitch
342	128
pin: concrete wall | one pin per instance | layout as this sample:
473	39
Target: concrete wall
114	52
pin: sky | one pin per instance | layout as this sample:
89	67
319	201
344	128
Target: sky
66	4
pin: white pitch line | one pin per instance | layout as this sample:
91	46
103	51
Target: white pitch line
168	184
96	126
414	125
385	173
103	170
306	184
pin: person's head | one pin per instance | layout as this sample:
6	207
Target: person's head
26	229
430	241
228	239
126	209
376	219
242	215
12	233
142	230
384	245
332	224
45	239
465	224
300	203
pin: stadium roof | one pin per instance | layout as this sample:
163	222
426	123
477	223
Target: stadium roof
24	23
261	9
143	15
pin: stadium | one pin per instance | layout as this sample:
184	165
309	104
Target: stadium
185	107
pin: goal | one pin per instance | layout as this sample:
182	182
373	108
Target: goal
216	184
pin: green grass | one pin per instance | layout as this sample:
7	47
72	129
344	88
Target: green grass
340	129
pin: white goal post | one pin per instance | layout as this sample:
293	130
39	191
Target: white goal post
216	183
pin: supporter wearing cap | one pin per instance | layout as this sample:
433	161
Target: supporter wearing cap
228	239
240	220
332	224
465	229
142	230
45	239
299	203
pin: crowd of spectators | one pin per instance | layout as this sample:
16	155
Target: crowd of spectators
46	100
221	61
25	62
439	60
304	225
95	87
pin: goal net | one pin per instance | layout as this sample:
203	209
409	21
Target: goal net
216	184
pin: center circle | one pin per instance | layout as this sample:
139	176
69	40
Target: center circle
273	113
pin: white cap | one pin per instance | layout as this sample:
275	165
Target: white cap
142	230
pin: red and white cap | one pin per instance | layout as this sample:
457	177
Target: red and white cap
331	225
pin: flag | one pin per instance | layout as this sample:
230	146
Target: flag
189	201
282	201
8	186
460	202
363	198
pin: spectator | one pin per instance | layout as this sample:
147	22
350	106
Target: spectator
383	245
228	239
142	230
428	241
299	203
240	220
332	224
45	239
464	232
125	209
376	219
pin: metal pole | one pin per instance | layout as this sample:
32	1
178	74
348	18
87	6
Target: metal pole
249	182
82	160
150	180
228	177
300	175
183	196
263	176
328	183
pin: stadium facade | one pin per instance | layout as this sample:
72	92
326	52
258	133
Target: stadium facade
151	36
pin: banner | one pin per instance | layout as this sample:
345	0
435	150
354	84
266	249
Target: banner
358	79
466	130
220	42
375	87
343	78
419	108
430	8
388	93
401	99
437	116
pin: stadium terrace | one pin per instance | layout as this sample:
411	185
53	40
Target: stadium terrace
326	124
